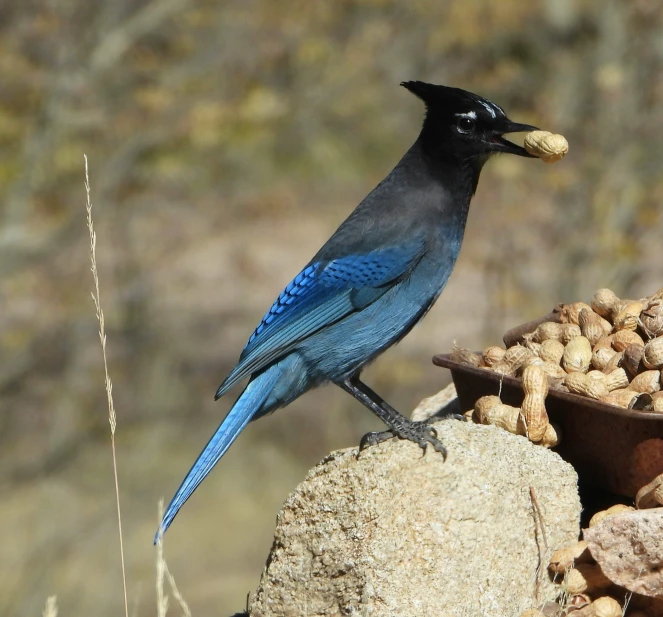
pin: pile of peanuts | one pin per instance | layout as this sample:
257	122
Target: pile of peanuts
583	580
611	351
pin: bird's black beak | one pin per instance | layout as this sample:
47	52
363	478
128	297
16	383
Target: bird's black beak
497	143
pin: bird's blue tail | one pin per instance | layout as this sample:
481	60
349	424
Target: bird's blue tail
250	402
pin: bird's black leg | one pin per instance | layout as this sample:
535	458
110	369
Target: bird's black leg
421	433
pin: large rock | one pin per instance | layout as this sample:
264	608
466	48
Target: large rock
629	549
397	533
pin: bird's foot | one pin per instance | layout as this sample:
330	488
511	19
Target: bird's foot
420	433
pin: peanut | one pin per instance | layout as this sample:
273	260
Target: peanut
547	146
622	339
619	398
492	355
657	400
627	314
614	363
535	386
611	511
604	302
650	495
616	380
601	356
564	558
532	346
551	351
552	436
592	326
632	360
579	383
606	607
649	382
548	330
585	576
570	313
570	331
553	371
503	416
652	356
483	405
464	356
578	601
651	318
513	359
577	355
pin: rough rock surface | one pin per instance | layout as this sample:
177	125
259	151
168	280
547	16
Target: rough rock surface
436	404
397	533
629	549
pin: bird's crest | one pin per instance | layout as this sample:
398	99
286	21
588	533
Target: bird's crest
447	97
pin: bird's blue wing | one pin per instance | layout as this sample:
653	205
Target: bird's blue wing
320	295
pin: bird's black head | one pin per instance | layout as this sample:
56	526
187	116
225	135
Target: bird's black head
464	126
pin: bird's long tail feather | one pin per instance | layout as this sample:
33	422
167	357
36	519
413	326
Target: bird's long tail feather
250	402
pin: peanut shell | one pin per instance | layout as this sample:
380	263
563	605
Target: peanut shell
614	363
579	383
464	356
535	386
546	146
651	494
619	398
577	355
601	356
651	319
570	331
482	406
553	371
564	558
611	511
604	302
649	382
652	356
570	313
513	359
551	351
632	360
616	380
627	314
584	577
548	330
592	326
552	436
505	417
606	607
657	401
622	339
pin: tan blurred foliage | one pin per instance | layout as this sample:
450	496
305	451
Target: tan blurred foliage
226	141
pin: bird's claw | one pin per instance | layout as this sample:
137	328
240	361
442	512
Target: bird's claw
420	433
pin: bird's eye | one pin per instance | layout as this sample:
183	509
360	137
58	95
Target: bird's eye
465	124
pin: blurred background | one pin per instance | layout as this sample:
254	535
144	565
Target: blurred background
226	141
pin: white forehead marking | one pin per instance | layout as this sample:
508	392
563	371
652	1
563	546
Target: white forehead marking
469	114
497	108
487	107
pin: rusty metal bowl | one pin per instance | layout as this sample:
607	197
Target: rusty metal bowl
619	450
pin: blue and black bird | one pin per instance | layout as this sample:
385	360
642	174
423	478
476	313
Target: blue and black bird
374	279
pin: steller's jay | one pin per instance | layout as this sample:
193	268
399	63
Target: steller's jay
373	280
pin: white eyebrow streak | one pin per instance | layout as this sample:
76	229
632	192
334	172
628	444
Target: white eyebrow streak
497	107
469	114
487	107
